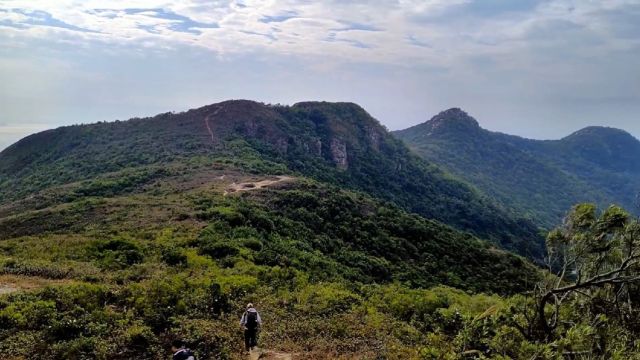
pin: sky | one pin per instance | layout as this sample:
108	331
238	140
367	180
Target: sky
535	68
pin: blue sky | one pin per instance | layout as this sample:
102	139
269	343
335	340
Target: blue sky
536	68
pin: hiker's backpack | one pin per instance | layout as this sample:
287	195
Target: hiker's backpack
252	320
184	354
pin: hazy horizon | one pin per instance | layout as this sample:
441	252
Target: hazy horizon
540	69
18	130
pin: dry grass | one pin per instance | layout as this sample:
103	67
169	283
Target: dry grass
14	283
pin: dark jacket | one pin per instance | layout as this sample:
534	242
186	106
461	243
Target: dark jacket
184	354
243	321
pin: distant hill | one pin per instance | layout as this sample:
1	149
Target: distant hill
336	143
539	178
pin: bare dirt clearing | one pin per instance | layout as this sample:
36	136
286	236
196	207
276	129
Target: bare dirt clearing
248	186
14	283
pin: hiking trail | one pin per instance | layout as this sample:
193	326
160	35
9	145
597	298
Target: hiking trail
248	186
18	283
206	122
7	289
263	354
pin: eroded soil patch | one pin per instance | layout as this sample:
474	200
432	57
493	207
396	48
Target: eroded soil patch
14	283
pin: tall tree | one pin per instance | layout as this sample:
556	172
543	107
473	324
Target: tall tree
594	262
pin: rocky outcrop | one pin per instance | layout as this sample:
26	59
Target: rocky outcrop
374	137
313	147
339	153
251	128
317	147
453	121
282	145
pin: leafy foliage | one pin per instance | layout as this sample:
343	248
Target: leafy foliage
368	241
117	253
597	257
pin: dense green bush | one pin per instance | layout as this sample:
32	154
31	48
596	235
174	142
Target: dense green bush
117	253
364	241
218	249
173	256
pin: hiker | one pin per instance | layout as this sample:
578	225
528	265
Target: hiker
250	322
180	352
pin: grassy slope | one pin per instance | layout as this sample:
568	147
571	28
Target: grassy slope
150	255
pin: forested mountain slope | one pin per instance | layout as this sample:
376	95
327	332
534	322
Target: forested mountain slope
336	143
117	265
538	178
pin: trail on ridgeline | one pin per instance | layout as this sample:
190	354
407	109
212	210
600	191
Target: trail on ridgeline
206	122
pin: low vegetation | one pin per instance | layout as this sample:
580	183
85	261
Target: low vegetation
333	271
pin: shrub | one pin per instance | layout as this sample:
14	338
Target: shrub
326	298
35	268
218	249
117	254
138	341
252	243
77	348
210	339
27	315
173	256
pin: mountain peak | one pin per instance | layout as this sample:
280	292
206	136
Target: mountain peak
601	137
610	148
454	120
599	132
454	111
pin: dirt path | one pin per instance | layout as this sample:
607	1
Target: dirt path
260	354
248	186
6	289
14	283
206	122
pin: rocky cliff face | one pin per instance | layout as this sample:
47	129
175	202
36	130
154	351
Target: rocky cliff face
339	153
374	136
313	147
282	145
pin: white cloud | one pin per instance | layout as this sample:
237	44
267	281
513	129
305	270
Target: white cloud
532	55
336	29
332	28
